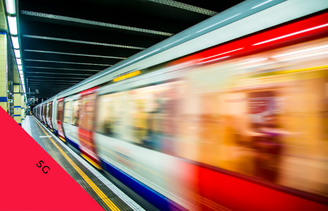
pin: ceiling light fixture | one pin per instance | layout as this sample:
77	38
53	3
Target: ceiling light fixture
12	25
17	53
15	42
10	7
19	61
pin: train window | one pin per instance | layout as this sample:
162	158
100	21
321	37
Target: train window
75	113
67	112
106	114
145	116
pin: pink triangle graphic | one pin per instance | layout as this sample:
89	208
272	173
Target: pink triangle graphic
24	186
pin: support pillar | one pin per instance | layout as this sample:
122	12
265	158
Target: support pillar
3	71
23	107
17	104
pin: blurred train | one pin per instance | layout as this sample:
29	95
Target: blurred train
232	118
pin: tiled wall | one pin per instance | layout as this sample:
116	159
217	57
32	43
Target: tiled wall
3	71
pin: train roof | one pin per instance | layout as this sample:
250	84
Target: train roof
246	18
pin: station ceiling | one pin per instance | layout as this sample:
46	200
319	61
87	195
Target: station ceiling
66	41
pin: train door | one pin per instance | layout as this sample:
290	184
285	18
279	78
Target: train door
50	116
60	112
46	115
86	126
54	116
42	113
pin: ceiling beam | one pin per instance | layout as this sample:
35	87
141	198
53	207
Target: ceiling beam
184	6
48	80
36	60
55	73
74	54
81	41
59	68
36	76
94	23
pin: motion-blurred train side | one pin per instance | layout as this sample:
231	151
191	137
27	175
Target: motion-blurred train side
239	125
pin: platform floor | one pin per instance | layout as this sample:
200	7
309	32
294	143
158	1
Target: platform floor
97	184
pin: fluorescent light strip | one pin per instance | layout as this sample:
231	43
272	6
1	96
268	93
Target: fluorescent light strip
184	6
292	34
20	67
15	42
222	53
218	23
302	51
11	7
19	61
81	42
54	68
95	23
12	25
35	60
17	53
214	59
74	54
260	4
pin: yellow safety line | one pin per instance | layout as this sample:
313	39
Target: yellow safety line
107	201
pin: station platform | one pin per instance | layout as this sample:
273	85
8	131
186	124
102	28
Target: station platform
101	186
